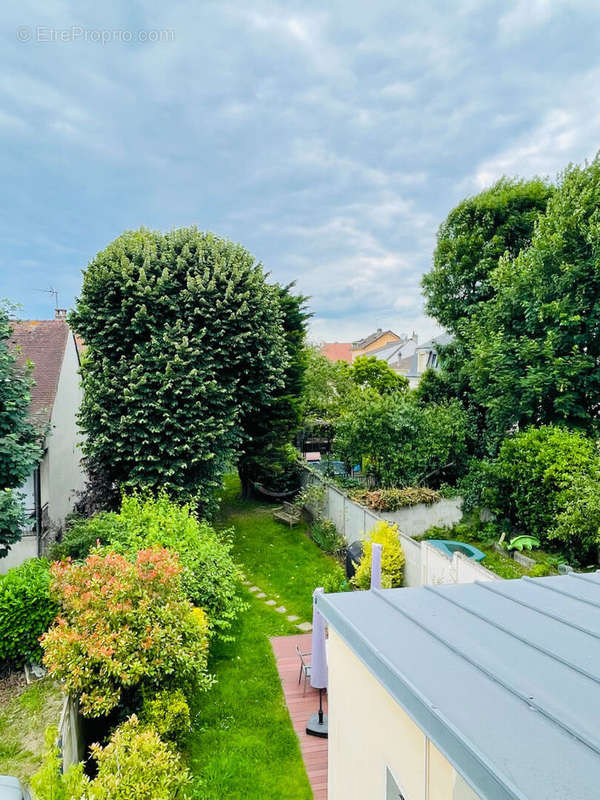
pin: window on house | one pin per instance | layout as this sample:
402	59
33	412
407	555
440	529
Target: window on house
392	790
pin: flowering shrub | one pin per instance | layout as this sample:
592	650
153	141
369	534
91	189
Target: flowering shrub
124	626
209	576
392	558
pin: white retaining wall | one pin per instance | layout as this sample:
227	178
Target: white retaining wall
425	564
436	567
415	520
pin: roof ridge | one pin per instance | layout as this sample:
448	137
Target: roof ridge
595	747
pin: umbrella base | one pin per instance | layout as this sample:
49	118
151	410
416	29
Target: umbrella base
316	727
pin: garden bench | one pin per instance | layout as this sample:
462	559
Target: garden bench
287	513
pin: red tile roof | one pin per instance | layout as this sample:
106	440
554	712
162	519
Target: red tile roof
80	345
337	351
43	342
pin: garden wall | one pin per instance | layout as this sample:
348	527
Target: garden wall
425	564
70	737
415	520
436	567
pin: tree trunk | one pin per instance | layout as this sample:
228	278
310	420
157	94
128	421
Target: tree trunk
245	482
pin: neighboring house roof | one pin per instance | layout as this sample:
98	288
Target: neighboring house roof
429	347
80	345
404	363
388	350
503	677
372	337
43	342
337	351
442	339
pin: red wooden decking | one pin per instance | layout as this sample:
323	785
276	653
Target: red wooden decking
314	750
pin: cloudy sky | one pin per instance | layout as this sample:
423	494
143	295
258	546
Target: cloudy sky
330	139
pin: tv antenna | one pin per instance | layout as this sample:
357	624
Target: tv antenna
51	290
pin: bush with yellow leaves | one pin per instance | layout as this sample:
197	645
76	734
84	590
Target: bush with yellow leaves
392	557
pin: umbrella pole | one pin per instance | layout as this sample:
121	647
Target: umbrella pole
317	724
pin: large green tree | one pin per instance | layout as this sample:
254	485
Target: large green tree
20	440
376	374
497	223
326	387
536	346
270	428
185	342
471	240
402	441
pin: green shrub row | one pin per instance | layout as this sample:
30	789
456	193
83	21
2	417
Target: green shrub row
26	611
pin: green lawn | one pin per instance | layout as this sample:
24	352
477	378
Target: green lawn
25	711
283	561
243	744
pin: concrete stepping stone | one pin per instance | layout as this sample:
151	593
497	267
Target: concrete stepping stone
280	609
305	627
293	618
261	595
270	602
254	589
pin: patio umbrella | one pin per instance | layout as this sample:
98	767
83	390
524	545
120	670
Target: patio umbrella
376	551
317	724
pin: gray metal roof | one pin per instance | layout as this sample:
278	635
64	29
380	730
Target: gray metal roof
442	339
503	677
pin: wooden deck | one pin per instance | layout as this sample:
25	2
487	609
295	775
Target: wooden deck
314	750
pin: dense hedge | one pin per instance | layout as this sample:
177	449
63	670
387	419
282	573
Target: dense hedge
26	612
546	483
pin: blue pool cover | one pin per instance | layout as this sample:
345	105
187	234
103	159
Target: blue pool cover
449	547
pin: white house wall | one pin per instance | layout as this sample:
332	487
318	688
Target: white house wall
370	733
62	474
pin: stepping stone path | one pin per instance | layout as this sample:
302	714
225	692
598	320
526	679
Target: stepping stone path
305	627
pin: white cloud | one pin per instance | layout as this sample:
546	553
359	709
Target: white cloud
567	133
